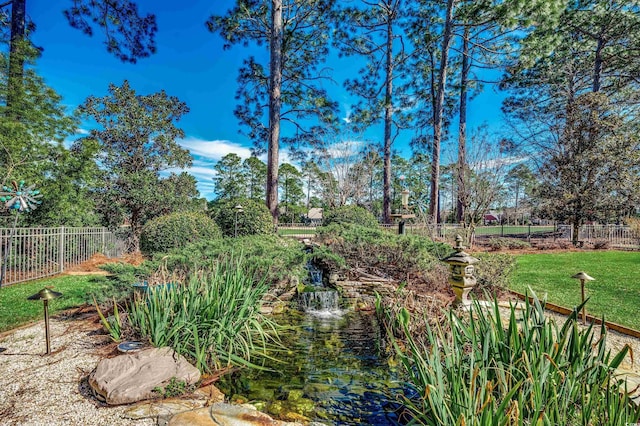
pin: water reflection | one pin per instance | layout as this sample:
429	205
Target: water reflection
336	372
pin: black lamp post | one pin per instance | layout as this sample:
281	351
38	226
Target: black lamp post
45	295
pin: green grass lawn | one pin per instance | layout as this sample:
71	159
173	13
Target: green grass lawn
615	293
76	290
296	231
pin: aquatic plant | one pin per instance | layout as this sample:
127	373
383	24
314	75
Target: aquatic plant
481	372
213	318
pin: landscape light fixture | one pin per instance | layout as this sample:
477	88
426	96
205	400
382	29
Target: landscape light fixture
582	276
405	199
238	208
45	295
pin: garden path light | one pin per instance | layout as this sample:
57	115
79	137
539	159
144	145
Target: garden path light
45	295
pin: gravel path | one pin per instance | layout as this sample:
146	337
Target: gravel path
38	389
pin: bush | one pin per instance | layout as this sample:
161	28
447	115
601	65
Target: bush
493	271
601	245
274	258
177	230
255	218
500	243
350	215
398	256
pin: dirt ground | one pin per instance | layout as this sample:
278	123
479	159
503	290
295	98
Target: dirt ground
92	265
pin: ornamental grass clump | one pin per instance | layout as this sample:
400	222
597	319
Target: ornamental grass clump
531	371
213	318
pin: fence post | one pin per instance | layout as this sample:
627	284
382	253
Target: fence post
103	249
61	250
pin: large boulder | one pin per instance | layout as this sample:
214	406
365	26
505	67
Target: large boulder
130	378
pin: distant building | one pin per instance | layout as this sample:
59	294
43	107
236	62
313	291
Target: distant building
491	219
314	216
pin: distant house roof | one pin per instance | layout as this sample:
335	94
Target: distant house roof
489	217
315	213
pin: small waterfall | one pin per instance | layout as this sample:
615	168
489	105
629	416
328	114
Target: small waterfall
323	301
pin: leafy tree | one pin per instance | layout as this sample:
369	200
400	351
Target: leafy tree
43	118
297	33
63	176
255	171
137	140
343	175
230	179
521	181
254	219
372	31
311	178
593	172
485	43
291	191
68	189
128	35
581	47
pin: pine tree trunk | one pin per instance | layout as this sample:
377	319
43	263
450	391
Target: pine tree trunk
275	105
16	55
462	129
438	113
388	121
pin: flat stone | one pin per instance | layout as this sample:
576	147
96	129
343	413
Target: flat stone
222	414
133	377
166	407
210	393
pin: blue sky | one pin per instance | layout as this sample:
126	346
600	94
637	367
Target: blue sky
190	64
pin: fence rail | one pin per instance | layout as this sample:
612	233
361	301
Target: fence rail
34	253
617	236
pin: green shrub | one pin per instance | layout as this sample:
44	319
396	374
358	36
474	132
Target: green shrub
177	230
274	258
500	243
347	215
214	319
476	371
255	218
493	271
373	248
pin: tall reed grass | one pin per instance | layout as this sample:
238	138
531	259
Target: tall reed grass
213	318
528	372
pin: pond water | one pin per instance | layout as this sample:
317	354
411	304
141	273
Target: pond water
336	371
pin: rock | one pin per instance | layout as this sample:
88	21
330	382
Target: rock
211	393
165	407
131	378
222	414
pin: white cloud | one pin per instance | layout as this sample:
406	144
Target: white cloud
214	149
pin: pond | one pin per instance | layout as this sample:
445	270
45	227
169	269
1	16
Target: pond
336	372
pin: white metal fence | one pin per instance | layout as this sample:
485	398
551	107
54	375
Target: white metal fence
40	252
617	236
